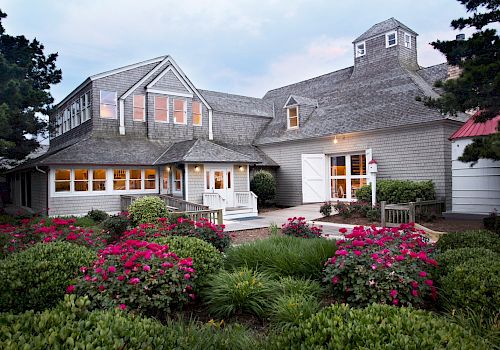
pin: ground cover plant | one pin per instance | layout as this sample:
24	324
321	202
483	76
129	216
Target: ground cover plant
389	266
298	227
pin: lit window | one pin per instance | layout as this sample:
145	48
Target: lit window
135	180
108	104
178	180
407	40
179	111
391	39
161	109
81	180
360	49
347	175
150	179
63	180
293	117
119	179
196	113
139	108
99	180
166	180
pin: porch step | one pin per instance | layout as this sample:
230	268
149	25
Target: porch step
238	212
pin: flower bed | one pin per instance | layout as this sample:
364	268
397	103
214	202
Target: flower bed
389	266
298	227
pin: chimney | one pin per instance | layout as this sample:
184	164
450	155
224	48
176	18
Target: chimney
454	71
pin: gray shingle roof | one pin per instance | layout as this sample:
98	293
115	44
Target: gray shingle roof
383	27
301	101
253	152
237	104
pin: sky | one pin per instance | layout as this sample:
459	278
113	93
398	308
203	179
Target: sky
235	46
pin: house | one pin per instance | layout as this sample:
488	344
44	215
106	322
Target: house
476	187
145	129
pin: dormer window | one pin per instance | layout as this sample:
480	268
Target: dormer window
293	117
391	39
360	49
407	40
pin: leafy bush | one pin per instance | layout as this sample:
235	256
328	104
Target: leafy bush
97	215
115	226
147	209
283	256
263	184
389	266
326	209
492	223
473	284
206	258
141	276
7	219
451	258
357	209
290	309
298	227
376	327
37	277
244	290
373	214
342	208
398	191
469	239
290	285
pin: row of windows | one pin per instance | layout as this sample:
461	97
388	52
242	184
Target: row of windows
108	108
75	114
391	39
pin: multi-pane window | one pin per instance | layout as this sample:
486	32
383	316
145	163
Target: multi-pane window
135	179
196	113
177	180
179	111
139	106
81	180
63	180
161	109
75	114
108	104
99	180
293	117
119	179
166	180
347	175
360	49
391	39
66	121
59	125
149	179
407	40
85	107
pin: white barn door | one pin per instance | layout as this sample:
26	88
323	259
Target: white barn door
313	178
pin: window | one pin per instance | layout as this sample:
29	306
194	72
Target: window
166	179
108	104
63	180
293	117
207	179
99	180
347	175
360	49
59	124
66	121
119	179
196	113
219	180
179	111
150	179
85	106
161	109
135	179
391	39
75	114
229	179
177	180
407	40
81	180
139	106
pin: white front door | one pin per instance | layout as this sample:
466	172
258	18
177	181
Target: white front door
220	180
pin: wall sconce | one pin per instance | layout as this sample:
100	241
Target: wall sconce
241	168
335	141
197	168
168	169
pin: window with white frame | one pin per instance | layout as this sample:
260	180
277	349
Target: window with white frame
58	125
166	179
161	109
85	106
139	108
66	121
347	174
62	180
360	49
196	106
119	179
149	179
135	179
177	181
81	180
407	40
107	104
391	39
179	111
292	117
99	180
75	114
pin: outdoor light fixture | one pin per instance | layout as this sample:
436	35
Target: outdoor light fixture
335	141
242	168
168	168
196	168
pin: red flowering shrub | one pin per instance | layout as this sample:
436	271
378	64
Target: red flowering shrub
202	229
138	275
389	266
298	227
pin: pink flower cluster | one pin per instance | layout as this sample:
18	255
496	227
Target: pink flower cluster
298	227
394	264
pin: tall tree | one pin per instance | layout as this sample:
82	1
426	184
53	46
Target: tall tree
26	74
478	86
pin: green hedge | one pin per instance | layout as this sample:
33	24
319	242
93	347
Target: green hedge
37	277
376	327
398	191
147	210
263	184
469	239
451	258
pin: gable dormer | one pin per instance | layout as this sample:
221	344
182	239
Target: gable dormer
297	109
385	45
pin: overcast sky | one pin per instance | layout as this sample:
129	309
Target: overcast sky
237	46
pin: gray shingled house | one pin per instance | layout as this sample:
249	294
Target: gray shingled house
145	129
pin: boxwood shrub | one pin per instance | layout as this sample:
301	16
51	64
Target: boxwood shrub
376	327
37	277
469	239
263	184
451	258
398	191
147	210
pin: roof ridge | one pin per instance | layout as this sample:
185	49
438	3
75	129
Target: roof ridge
190	149
161	155
231	94
231	150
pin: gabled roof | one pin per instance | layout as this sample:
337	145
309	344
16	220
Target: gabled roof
473	129
295	100
383	27
237	104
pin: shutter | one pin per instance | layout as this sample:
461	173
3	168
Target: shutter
313	178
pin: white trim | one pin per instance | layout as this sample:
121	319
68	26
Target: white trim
167	92
210	125
287	100
288	118
201	113
126	68
186	182
143	108
173	170
122	117
356	48
154	110
184	111
387	38
405	34
144	78
347	177
163	73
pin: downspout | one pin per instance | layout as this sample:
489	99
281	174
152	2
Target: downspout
122	116
40	170
210	126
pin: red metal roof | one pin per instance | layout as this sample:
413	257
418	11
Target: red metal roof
472	129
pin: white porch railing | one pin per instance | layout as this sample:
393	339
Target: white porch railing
242	200
246	199
214	201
